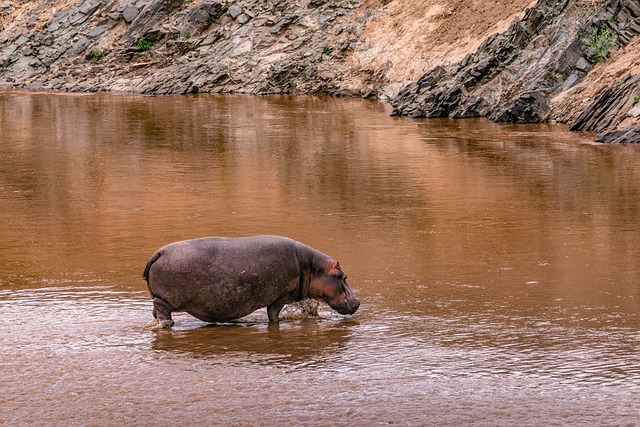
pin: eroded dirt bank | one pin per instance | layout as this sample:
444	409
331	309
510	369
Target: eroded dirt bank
518	61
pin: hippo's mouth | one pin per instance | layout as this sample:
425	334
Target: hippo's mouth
347	308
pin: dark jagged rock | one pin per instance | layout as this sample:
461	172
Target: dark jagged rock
507	78
204	14
528	108
610	107
620	136
512	76
151	17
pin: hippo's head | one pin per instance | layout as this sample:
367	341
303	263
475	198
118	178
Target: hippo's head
330	285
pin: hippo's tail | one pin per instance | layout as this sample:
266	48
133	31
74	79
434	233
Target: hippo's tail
153	259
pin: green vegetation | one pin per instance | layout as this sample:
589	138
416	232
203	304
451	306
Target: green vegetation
96	55
326	51
598	43
143	45
186	34
636	98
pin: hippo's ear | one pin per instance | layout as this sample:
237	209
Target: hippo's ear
335	267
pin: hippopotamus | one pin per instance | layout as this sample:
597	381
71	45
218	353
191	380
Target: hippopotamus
218	279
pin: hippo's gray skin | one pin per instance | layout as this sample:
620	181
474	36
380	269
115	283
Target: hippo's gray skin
217	279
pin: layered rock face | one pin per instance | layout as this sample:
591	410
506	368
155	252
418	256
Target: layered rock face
428	58
178	46
514	76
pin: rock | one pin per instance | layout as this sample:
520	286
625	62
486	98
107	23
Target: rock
432	78
89	7
243	18
610	106
512	75
98	31
583	65
634	112
130	13
152	16
78	47
264	41
204	14
122	6
235	11
620	136
528	108
570	82
6	5
508	78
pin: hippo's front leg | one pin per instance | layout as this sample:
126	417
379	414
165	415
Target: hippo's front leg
273	310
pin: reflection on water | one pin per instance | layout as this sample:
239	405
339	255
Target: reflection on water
292	345
497	265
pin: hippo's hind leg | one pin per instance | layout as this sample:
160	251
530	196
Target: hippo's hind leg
162	313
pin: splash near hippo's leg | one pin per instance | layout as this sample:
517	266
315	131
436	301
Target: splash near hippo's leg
154	324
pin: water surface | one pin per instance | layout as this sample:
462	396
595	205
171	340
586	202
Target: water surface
497	265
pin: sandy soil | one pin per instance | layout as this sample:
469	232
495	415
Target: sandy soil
413	36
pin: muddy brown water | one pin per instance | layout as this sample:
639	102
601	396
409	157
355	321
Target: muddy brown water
497	265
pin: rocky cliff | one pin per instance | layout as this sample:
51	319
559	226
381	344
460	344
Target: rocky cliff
533	72
517	61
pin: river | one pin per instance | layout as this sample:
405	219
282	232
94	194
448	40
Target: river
497	265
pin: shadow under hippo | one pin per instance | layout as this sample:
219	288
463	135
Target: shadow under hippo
218	279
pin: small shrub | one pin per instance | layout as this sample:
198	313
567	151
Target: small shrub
599	42
636	98
186	34
326	51
96	55
175	36
143	45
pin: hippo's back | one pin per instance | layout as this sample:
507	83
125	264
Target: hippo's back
219	278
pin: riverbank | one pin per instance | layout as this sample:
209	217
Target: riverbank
516	61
